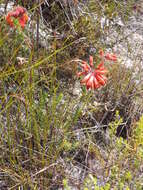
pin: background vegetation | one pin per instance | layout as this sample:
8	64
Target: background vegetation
54	134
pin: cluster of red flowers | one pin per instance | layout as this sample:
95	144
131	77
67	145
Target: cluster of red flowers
18	13
95	77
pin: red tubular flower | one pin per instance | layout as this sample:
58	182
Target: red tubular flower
93	77
23	20
18	13
111	57
9	20
101	53
108	56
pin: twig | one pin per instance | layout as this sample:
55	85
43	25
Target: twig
44	169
